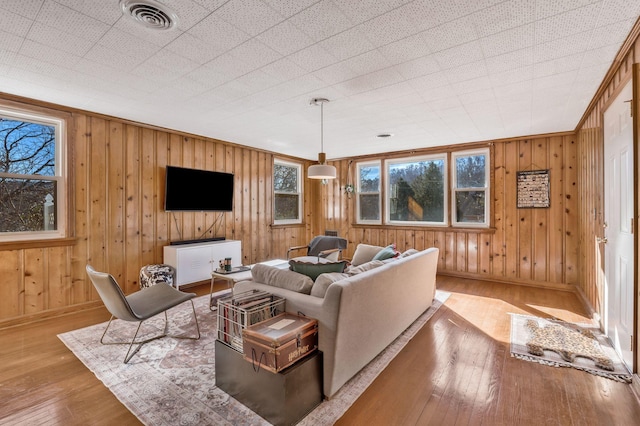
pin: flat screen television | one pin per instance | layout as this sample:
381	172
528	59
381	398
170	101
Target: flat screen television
198	190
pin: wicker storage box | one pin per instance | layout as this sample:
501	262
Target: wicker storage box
278	342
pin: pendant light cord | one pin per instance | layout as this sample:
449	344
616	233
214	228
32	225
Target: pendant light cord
321	126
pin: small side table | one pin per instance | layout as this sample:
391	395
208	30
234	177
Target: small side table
235	277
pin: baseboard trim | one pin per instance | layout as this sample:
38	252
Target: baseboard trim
587	305
503	280
52	313
635	386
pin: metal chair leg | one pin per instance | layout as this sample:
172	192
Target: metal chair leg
130	355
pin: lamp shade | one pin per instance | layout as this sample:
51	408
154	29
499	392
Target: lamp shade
321	171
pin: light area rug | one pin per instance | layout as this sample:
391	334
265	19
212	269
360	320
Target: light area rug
172	381
562	344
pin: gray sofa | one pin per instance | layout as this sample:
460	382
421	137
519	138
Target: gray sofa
362	314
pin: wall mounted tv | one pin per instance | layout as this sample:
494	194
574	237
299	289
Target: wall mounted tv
198	190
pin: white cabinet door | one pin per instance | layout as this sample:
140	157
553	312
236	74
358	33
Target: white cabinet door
195	262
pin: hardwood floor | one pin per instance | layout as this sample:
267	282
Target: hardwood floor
456	371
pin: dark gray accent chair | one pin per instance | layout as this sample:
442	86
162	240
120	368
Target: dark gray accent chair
138	307
329	247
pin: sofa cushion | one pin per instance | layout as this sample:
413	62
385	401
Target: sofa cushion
408	252
353	270
386	253
282	278
364	253
312	270
323	282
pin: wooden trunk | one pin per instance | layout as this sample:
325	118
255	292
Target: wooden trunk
278	342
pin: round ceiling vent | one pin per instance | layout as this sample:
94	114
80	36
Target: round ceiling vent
150	13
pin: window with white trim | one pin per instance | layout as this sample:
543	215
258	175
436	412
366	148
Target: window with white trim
416	190
470	188
368	192
287	192
32	176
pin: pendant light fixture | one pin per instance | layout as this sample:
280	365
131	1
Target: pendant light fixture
322	170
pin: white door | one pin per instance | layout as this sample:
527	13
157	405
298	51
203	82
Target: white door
619	226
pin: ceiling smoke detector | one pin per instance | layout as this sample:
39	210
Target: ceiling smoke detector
150	13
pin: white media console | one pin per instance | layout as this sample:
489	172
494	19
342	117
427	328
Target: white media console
194	262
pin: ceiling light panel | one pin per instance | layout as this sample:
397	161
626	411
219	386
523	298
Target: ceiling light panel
252	17
68	20
504	16
322	20
285	38
288	8
103	11
508	41
13	23
566	24
58	39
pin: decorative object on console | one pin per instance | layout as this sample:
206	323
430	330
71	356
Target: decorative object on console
321	170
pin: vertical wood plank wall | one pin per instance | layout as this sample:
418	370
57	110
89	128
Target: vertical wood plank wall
119	220
590	136
525	245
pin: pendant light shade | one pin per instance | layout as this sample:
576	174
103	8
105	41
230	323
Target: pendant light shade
322	170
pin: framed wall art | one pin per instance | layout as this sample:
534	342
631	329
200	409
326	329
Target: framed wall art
533	189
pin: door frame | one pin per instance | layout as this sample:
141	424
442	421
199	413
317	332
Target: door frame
606	296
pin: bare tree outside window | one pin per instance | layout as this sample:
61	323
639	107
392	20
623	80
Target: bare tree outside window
286	188
27	175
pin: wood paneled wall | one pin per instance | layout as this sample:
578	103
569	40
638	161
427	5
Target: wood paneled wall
118	221
524	245
590	136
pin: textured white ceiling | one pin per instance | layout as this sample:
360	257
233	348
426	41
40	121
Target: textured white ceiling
431	72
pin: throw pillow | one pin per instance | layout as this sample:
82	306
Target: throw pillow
323	282
386	253
409	252
353	270
312	270
364	253
283	278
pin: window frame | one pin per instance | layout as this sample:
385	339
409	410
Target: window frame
60	176
486	189
299	193
358	192
387	187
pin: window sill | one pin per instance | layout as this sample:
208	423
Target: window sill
31	244
431	228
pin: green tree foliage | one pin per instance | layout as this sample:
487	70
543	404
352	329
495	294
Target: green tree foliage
470	173
285	185
418	184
